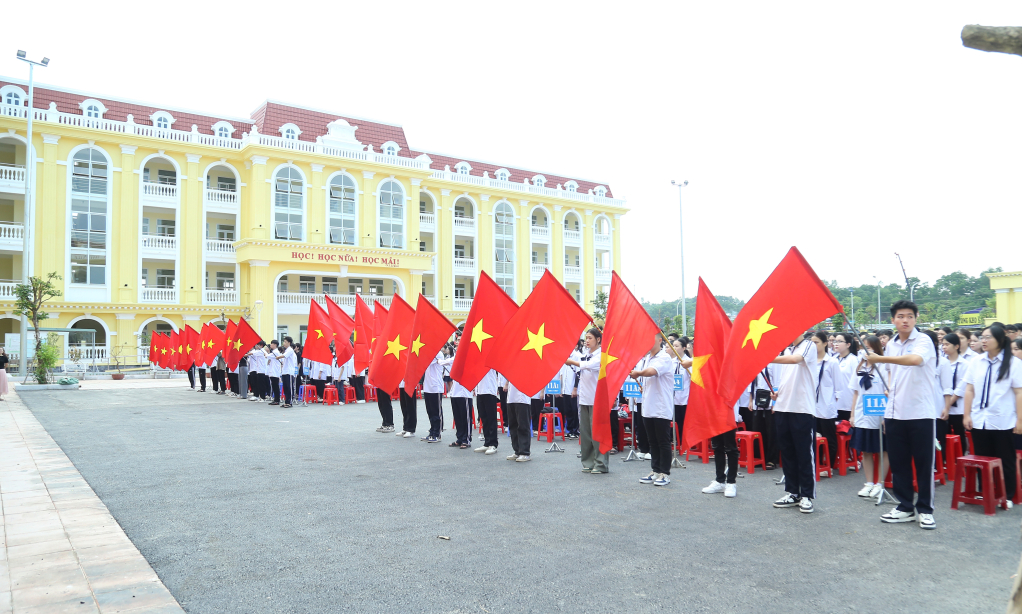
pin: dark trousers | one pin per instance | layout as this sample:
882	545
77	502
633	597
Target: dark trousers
746	415
232	379
999	444
461	407
764	423
535	408
639	435
488	416
217	376
387	410
202	380
828	428
255	382
844	414
615	429
358	383
409	411
568	406
679	419
907	441
289	387
725	454
956	427
502	392
518	416
320	385
191	376
275	389
796	438
659	431
433	410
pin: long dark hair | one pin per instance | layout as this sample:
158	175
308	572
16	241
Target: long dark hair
852	341
1001	337
955	340
596	333
686	343
873	342
936	345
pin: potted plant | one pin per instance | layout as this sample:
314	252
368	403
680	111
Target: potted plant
115	355
46	357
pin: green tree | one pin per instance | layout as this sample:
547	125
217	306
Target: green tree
600	306
31	298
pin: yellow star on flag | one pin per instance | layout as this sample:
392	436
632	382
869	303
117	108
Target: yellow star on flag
697	365
479	335
189	348
757	328
537	340
237	344
394	347
417	345
211	344
606	359
320	333
163	350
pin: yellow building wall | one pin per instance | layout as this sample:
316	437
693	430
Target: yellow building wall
1007	289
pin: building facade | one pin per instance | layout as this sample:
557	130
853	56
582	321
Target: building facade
1007	289
158	217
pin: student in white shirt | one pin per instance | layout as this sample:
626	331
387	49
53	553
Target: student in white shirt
255	367
847	357
658	411
828	377
993	402
518	413
763	419
567	402
486	400
910	428
975	345
865	431
432	395
588	371
795	418
288	369
952	374
273	371
461	407
681	396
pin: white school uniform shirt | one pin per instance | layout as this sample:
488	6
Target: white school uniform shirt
938	388
681	396
969	354
952	378
846	371
488	385
658	390
433	380
290	364
541	394
861	421
911	388
515	395
273	365
993	402
828	376
459	391
796	392
349	368
588	372
502	382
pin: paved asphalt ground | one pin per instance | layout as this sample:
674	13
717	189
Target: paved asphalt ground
242	507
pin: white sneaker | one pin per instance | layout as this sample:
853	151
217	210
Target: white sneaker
512	457
400	433
926	521
491	450
481	449
408	435
523	459
730	491
1010	504
714	488
379	429
662	479
896	515
805	505
868	488
645	456
388	429
875	492
648	479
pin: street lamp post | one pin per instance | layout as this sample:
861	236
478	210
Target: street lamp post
878	300
29	175
912	292
852	292
681	247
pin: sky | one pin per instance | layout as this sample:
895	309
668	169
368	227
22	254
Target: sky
850	130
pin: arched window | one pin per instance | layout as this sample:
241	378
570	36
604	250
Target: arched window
89	212
502	175
571	222
162	120
462	167
92	111
290	132
392	214
600	191
288	192
342	210
539	181
504	242
222	132
571	186
13	98
223	129
390	148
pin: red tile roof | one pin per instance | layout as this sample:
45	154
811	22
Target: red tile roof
272	115
517	174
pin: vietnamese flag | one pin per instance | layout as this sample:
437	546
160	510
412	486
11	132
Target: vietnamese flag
380	315
215	342
363	334
539	337
244	338
708	413
203	342
152	347
390	352
627	335
321	333
160	347
229	335
172	351
342	325
491	310
790	301
430	331
191	346
166	350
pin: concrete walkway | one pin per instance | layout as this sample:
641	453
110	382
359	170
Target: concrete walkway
62	551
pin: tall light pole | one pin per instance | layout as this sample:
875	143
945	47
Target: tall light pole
912	292
681	246
852	292
29	173
878	300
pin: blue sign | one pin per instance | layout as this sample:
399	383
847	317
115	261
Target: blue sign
631	390
874	404
679	381
774	401
554	387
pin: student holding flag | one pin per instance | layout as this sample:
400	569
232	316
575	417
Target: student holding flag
593	461
657	411
795	415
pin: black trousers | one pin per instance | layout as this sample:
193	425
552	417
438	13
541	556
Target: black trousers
746	415
218	376
659	431
796	437
999	444
679	419
289	387
461	407
232	379
639	431
433	410
503	401
518	416
764	423
907	441
320	385
409	411
488	416
202	380
191	376
956	427
275	389
615	429
535	409
386	409
844	414
725	455
255	382
568	406
828	428
358	383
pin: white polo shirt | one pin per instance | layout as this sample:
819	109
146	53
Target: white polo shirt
828	377
681	396
658	390
796	390
846	371
588	372
911	388
488	385
433	380
516	396
290	364
952	378
993	402
273	365
459	391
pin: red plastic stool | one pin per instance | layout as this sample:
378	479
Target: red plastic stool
701	451
823	458
747	450
991	471
330	396
952	450
370	393
547	424
500	418
308	394
625	439
1017	499
938	470
349	394
847	458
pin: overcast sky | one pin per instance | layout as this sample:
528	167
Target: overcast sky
850	130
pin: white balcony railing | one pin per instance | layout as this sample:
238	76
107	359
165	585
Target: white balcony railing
159	242
541	232
462	304
465	265
572	273
219	247
214	296
431	299
603	276
342	300
158	295
465	224
12	175
455	177
573	236
537	270
601	240
7	289
159	190
221	198
89	353
12	233
427	222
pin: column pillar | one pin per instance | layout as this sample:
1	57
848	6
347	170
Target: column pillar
48	215
588	261
367	219
557	243
124	336
124	226
190	233
316	224
257	217
412	220
485	252
414	286
260	288
523	241
444	278
616	243
1003	310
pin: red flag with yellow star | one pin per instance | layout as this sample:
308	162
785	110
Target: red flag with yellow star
243	340
161	349
430	331
539	337
192	348
181	357
342	324
152	346
791	300
708	413
216	339
172	344
364	325
491	309
390	352
320	334
628	334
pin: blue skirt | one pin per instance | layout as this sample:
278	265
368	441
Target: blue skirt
866	440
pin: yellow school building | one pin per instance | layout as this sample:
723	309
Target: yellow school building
1007	289
157	217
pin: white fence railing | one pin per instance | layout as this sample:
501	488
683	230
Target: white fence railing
12	174
537	270
220	297
462	304
427	221
342	300
572	273
7	289
220	247
465	264
465	224
540	232
158	295
159	190
222	198
573	236
603	276
487	182
10	231
160	242
601	240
